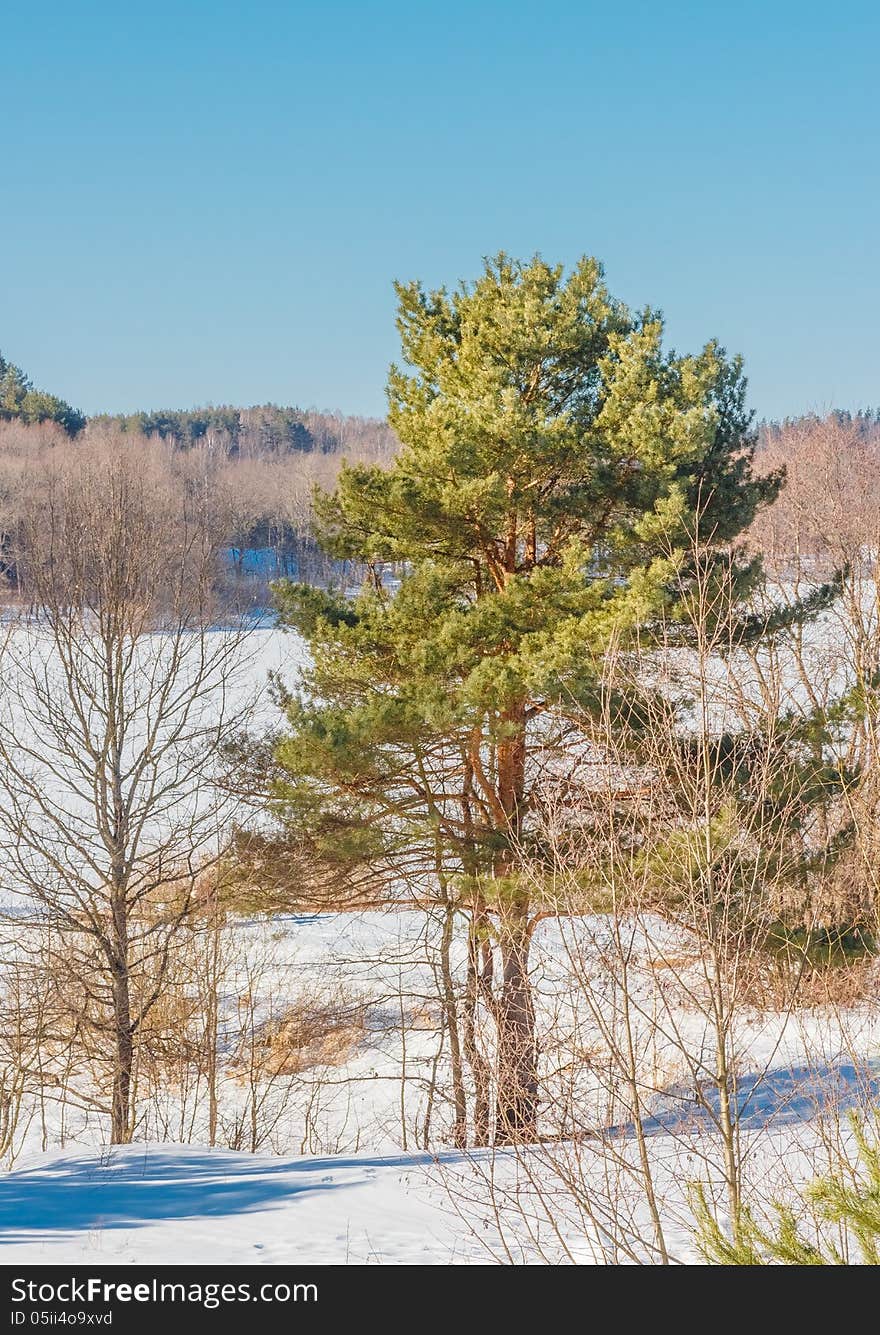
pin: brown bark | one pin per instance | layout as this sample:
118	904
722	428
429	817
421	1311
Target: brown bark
517	1074
517	1108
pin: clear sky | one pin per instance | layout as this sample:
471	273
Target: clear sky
206	201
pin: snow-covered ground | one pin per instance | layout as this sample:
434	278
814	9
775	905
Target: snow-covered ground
166	1204
341	1173
180	1204
361	1198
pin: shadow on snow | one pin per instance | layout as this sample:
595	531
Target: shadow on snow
130	1188
781	1096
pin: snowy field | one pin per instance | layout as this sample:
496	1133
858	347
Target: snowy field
359	1198
352	1162
180	1205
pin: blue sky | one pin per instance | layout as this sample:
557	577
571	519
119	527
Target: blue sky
207	201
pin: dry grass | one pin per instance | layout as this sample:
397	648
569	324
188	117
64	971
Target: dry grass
308	1035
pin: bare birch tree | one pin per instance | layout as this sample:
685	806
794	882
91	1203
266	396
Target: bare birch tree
117	695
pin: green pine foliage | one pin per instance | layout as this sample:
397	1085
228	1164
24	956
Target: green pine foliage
557	464
19	401
844	1203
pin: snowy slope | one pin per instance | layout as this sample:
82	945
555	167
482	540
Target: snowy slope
181	1204
178	1204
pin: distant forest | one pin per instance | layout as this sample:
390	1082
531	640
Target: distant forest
265	429
262	465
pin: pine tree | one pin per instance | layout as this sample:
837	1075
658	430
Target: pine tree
554	462
19	400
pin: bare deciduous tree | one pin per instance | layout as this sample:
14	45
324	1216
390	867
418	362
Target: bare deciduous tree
118	693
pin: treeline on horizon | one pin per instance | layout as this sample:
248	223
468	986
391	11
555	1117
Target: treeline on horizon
264	462
261	463
261	429
267	428
272	428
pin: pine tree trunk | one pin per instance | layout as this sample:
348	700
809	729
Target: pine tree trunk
517	1073
517	1107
